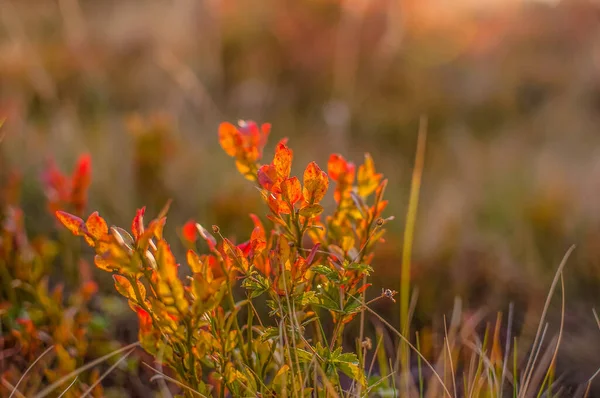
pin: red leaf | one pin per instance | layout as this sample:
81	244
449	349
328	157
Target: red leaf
81	181
189	232
137	226
313	252
145	321
245	247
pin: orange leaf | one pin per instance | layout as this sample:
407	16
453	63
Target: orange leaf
340	170
258	240
97	228
145	321
137	226
316	183
105	264
274	204
229	138
125	288
282	160
291	190
73	223
258	224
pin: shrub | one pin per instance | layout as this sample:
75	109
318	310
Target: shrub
306	265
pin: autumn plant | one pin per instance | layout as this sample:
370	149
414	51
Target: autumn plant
311	269
42	321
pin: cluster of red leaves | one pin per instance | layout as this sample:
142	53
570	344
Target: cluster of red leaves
347	236
68	193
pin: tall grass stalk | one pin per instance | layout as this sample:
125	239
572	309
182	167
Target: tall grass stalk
411	217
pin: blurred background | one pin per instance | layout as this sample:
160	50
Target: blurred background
511	90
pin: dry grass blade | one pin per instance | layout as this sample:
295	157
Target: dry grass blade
506	347
28	369
597	372
9	386
108	371
450	357
529	367
560	332
68	388
160	374
412	347
542	368
82	369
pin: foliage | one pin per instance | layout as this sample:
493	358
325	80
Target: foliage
34	315
306	266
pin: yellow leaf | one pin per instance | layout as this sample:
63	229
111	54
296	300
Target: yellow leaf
367	178
194	262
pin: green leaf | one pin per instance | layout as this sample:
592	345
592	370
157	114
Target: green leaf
307	298
330	274
329	298
352	305
270	333
256	285
304	356
363	268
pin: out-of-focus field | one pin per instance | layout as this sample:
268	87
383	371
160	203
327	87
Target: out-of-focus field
511	92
